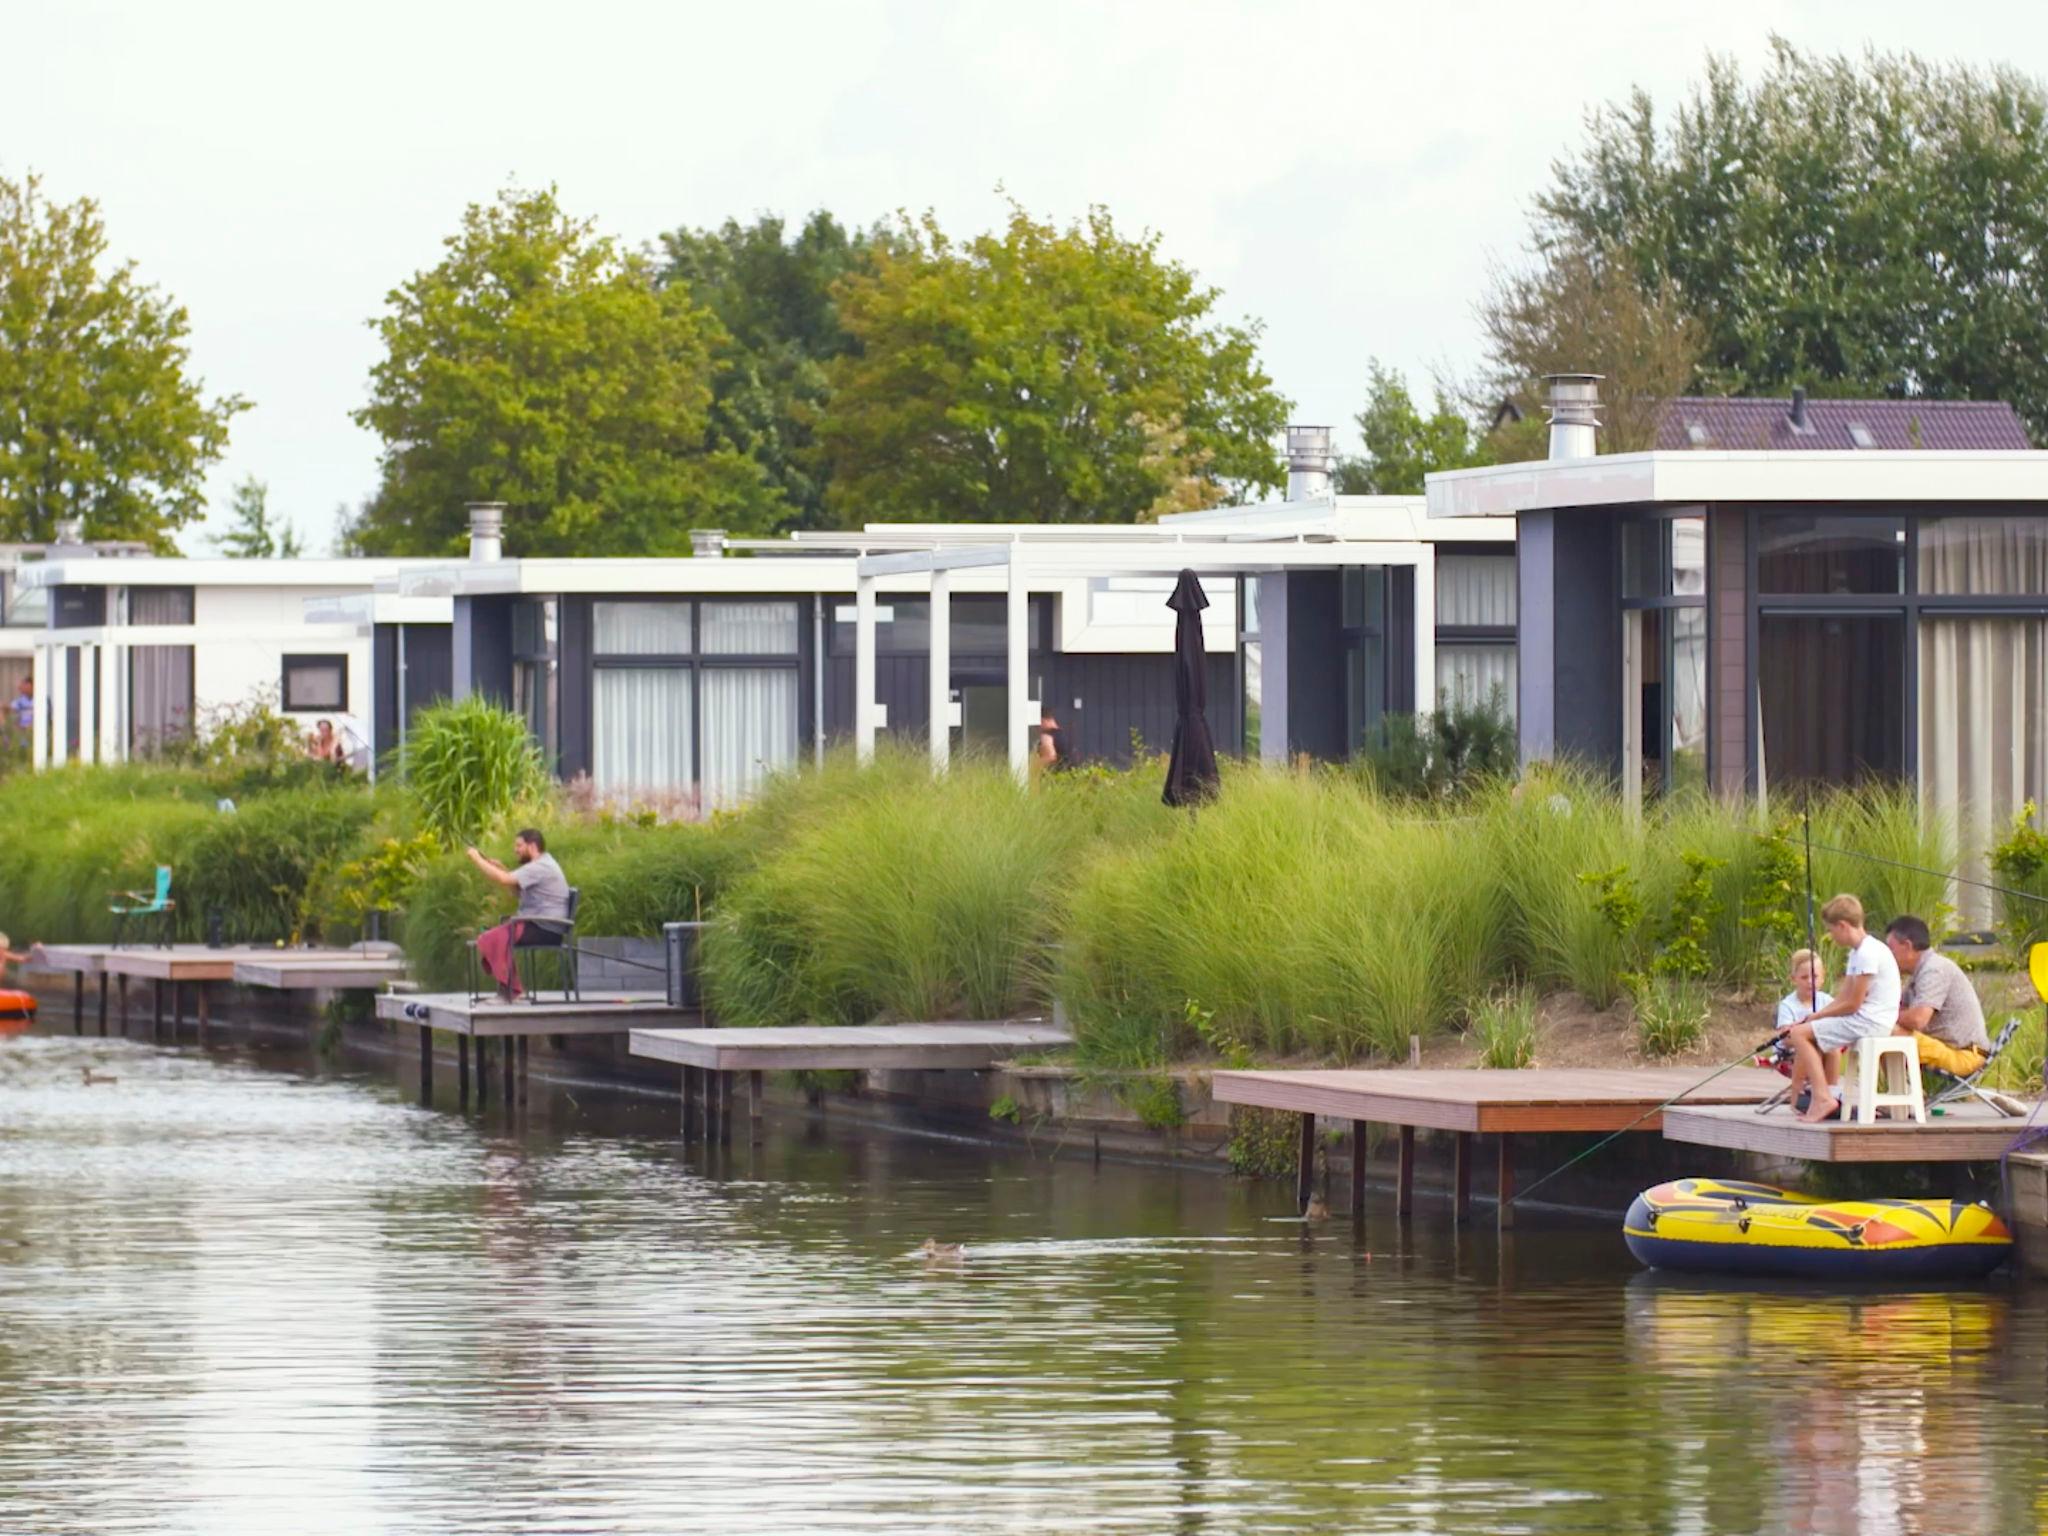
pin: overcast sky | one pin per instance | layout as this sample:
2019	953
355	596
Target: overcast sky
1342	172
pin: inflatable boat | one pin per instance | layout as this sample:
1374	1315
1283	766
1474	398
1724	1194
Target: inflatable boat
16	1005
1725	1226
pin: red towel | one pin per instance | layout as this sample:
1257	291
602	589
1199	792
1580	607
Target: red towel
494	953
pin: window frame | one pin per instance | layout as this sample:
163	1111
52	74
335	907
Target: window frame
296	659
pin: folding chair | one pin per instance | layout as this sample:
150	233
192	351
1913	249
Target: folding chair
1955	1088
144	906
557	933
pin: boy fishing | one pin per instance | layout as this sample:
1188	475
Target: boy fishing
1868	1004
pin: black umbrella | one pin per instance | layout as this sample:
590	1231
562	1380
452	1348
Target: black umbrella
1191	775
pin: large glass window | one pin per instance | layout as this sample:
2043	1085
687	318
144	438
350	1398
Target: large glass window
1664	653
1688	697
642	720
1362	607
750	629
1469	675
1800	553
979	627
749	729
641	629
1983	556
1833	698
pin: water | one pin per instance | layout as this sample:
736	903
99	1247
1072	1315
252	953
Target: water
254	1295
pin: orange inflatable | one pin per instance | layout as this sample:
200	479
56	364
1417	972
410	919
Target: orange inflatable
16	1005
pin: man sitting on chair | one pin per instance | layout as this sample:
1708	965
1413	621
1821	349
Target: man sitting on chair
543	894
1940	1009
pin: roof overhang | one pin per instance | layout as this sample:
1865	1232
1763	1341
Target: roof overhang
360	608
1687	478
175	571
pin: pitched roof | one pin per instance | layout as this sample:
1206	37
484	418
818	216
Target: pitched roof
1709	422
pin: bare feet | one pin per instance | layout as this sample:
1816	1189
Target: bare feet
1823	1107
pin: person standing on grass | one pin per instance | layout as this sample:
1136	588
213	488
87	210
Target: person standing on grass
1940	1009
23	706
1868	1004
543	895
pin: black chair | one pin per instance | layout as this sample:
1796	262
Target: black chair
556	933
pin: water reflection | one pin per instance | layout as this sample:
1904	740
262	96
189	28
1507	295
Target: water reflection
246	1296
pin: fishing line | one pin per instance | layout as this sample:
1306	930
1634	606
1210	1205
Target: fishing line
1922	869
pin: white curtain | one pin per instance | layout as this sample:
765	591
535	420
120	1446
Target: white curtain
1689	683
1468	674
640	725
640	629
160	696
1475	589
749	729
1983	733
750	629
1984	556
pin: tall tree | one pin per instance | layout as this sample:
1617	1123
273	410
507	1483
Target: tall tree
1579	309
1859	225
100	417
772	291
253	535
539	365
1041	375
1401	444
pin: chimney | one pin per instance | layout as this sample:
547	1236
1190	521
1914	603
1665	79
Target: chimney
1799	421
1574	415
486	532
707	543
1309	457
70	532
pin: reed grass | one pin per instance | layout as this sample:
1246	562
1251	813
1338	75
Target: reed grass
1504	1026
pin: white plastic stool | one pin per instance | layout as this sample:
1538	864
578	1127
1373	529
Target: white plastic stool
1876	1055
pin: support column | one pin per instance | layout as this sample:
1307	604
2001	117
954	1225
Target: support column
725	1109
1461	1178
1276	734
113	704
483	1074
510	1051
1506	1180
88	703
462	1071
689	1103
864	668
177	1009
156	1011
78	1002
58	701
125	1015
39	672
426	1066
103	1005
1404	1173
524	1079
755	1095
941	678
200	988
1017	671
1305	1164
1357	1171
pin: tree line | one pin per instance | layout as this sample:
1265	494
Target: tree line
1856	225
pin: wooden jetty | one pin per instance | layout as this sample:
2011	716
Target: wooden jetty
319	971
711	1058
477	1020
1473	1102
1963	1133
177	966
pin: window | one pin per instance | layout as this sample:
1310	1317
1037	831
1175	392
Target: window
1664	653
643	720
1833	699
641	629
1799	553
535	696
979	627
750	629
1983	556
159	605
1476	604
315	682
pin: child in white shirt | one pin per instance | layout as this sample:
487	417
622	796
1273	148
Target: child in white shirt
1794	1006
1868	1005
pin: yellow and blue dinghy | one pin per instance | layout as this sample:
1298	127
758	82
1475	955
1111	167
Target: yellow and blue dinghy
1729	1227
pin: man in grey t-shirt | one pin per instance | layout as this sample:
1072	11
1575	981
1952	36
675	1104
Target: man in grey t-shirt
543	895
1940	1009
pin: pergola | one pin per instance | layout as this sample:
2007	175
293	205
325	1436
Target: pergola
1025	563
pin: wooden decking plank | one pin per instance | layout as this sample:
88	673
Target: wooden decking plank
595	1014
840	1048
309	973
1967	1133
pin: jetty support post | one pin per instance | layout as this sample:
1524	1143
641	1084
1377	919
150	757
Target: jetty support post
126	1016
462	1071
524	1067
510	1051
725	1109
1305	1165
199	987
78	1002
156	1011
1404	1173
426	1066
689	1102
754	1096
483	1073
1505	1183
103	1005
1358	1173
1461	1177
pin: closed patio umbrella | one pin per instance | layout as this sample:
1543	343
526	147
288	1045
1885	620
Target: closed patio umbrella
1191	774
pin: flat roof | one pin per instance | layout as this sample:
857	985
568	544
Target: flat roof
1633	479
181	571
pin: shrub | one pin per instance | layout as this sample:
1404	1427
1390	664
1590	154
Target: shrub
1671	1013
469	765
255	866
1504	1024
2020	861
1442	756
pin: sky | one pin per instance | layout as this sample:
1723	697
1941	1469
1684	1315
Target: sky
1344	173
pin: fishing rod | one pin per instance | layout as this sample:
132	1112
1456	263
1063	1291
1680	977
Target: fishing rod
1918	869
1748	1055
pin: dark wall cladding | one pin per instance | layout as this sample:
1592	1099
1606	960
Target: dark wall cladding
1118	694
429	675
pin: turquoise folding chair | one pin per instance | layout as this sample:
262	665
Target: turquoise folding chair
146	907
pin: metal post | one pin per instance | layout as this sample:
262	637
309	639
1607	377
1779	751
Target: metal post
864	668
78	1002
523	1070
200	988
103	1005
941	677
462	1071
483	1073
177	1009
689	1103
725	1109
156	1011
1506	1180
1305	1164
511	1053
124	1008
426	1066
1404	1173
754	1097
1358	1170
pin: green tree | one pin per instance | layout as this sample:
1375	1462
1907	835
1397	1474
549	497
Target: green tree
253	536
540	366
1401	444
1857	225
1041	375
100	417
772	292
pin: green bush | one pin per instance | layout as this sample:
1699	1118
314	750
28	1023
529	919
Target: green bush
2020	862
1504	1025
1460	748
1671	1013
469	765
255	866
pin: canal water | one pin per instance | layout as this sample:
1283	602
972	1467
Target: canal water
250	1292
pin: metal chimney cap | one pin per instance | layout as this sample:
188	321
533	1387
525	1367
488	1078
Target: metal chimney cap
707	543
1574	397
70	531
1315	445
487	517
